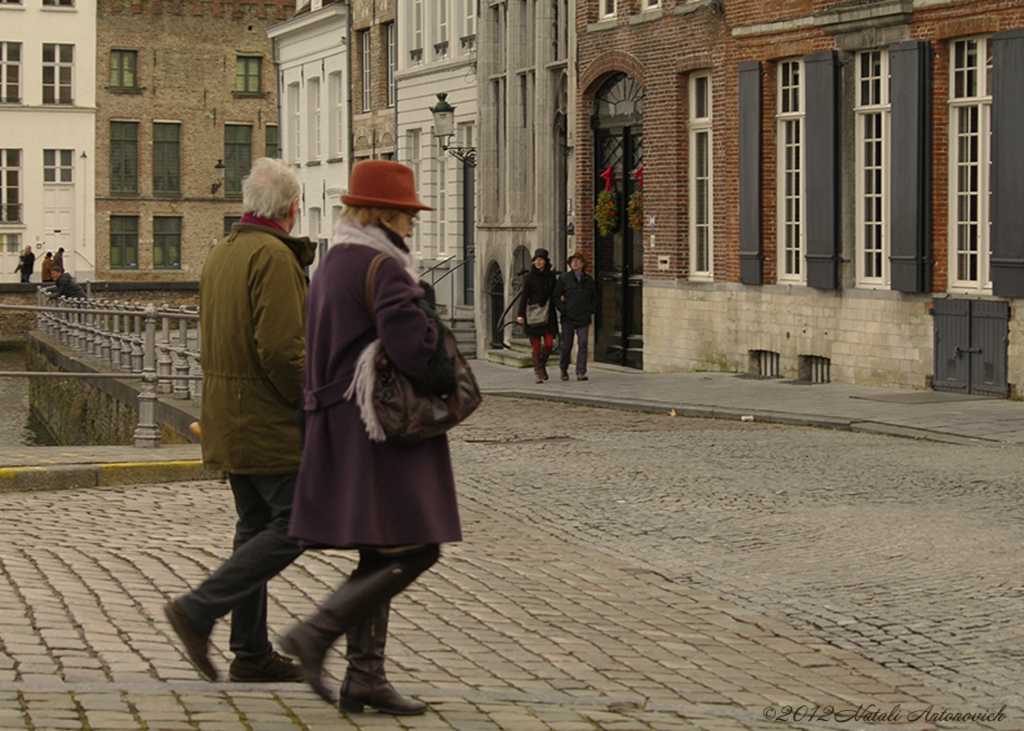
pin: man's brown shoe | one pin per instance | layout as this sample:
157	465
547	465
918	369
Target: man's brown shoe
196	648
274	668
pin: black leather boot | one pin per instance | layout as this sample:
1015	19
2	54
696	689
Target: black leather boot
377	578
544	355
365	682
536	369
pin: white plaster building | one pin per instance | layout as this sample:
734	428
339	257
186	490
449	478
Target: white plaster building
313	88
527	157
437	53
47	132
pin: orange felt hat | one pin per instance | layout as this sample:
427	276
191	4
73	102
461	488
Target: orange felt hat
382	184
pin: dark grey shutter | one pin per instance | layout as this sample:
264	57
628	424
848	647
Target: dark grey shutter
821	167
750	172
1008	163
910	69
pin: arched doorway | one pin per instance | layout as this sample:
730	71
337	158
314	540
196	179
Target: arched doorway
619	256
521	264
496	297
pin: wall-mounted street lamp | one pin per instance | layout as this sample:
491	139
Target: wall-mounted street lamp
444	129
219	167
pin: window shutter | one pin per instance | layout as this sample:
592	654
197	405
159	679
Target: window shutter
750	172
910	65
821	167
1008	163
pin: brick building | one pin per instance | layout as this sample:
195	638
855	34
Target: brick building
186	98
827	187
374	94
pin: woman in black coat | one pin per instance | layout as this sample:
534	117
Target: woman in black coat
537	311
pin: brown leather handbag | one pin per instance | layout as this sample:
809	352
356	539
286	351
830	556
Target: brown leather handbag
407	413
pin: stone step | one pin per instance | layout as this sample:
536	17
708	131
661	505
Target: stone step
513	358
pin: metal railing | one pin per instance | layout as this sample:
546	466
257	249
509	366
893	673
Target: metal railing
157	344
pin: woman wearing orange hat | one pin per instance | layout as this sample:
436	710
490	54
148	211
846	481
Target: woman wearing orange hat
395	503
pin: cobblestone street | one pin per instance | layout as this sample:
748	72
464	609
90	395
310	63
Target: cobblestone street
620	571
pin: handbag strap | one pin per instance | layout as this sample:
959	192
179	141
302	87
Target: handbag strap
371	278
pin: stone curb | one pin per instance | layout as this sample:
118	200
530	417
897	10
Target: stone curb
62	477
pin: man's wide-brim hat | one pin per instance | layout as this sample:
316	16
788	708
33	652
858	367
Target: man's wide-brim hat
578	255
383	184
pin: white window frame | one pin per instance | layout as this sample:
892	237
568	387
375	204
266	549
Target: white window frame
970	240
651	4
335	115
608	9
701	186
417	27
60	164
6	64
295	117
11	242
470	6
443	30
415	137
366	60
58	66
391	43
313	99
791	179
872	123
6	170
441	219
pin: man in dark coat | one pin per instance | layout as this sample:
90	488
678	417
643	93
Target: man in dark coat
252	295
66	286
576	298
25	264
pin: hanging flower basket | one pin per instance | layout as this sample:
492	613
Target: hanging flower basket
606	212
635	210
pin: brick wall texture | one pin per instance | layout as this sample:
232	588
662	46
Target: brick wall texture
873	337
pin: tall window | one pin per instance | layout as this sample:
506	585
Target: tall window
970	129
11	243
392	62
872	138
273	146
790	171
124	242
122	69
166	242
10	72
124	157
295	115
58	62
248	76
367	61
237	156
700	177
166	158
10	186
315	136
415	153
335	116
441	47
230	221
58	166
60	3
417	31
607	8
442	198
470	6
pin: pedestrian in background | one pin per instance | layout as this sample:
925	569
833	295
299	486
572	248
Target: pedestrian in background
394	503
58	258
576	298
47	263
252	295
66	286
26	263
537	312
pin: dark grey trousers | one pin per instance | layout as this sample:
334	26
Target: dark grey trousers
262	550
581	333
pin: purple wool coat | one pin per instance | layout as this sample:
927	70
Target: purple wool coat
352	491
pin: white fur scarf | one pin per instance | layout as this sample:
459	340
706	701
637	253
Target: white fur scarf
348	232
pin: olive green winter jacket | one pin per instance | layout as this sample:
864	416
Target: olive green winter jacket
252	295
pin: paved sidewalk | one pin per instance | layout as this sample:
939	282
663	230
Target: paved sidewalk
921	414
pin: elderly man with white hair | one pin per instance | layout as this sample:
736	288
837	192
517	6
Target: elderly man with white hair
252	295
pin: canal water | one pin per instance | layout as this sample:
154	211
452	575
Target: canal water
18	426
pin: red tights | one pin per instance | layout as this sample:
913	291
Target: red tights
549	341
